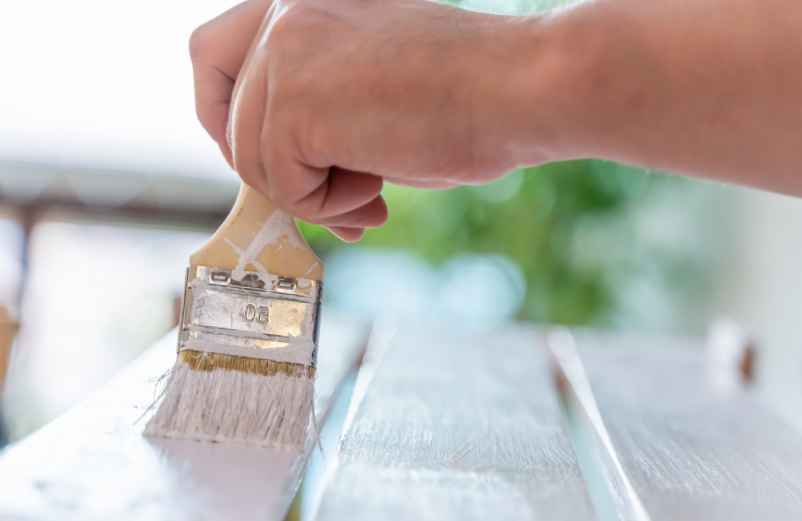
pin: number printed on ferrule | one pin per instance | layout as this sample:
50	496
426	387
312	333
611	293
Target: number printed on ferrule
251	313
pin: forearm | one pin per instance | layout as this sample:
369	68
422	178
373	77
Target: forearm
708	88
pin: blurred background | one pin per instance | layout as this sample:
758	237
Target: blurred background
107	183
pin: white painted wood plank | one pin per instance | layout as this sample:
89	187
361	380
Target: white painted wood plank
94	464
456	427
692	447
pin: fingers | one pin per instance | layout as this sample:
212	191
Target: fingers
340	193
348	234
212	102
431	184
351	226
371	215
330	196
218	49
343	200
245	122
317	193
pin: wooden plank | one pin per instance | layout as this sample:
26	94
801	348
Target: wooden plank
455	427
94	464
678	443
8	330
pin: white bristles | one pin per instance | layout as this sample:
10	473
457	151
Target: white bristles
223	405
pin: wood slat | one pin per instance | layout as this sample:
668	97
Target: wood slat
452	427
683	444
94	464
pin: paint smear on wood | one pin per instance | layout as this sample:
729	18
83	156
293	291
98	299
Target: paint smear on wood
454	427
94	464
691	449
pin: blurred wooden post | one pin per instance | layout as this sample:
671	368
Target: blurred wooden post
8	330
732	355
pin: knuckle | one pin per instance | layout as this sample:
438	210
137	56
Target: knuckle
310	207
308	216
289	27
306	206
200	43
281	28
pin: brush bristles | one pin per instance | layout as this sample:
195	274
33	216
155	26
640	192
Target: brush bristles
223	398
202	361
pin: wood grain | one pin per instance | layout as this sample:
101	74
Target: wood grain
692	448
456	427
258	236
94	464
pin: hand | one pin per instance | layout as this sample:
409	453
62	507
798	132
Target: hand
336	97
218	49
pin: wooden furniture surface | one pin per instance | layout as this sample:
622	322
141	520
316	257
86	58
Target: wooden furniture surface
457	427
692	445
511	424
8	330
94	464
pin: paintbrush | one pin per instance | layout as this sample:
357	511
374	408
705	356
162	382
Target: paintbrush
247	339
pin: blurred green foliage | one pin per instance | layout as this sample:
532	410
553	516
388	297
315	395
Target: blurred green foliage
567	225
572	227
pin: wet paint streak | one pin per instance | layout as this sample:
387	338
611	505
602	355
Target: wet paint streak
93	463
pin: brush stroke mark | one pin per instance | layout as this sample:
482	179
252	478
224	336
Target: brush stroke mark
691	450
451	426
278	226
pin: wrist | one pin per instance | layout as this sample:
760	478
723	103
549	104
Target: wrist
554	92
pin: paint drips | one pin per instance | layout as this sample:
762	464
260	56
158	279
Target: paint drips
277	227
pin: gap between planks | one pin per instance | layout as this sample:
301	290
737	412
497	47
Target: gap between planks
453	426
659	439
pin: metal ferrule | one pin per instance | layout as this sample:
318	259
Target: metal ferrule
251	314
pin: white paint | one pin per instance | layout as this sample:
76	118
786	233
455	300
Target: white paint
278	226
450	427
304	283
234	407
691	450
93	464
230	406
218	307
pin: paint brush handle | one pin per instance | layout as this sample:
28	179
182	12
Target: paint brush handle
258	236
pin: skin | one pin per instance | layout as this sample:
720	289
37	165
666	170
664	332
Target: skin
317	103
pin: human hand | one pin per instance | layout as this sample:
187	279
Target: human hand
218	49
336	97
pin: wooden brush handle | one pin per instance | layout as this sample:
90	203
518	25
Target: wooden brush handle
8	330
258	236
